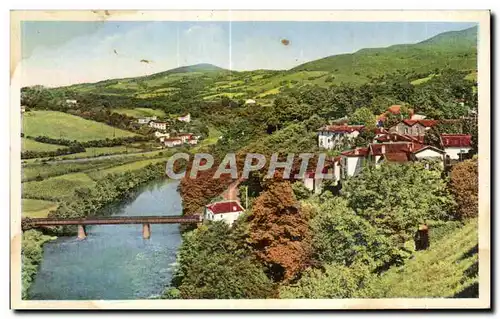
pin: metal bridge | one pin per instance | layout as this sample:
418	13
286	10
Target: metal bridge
146	222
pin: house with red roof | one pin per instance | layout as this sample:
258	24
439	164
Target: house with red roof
413	127
171	142
330	136
227	211
456	145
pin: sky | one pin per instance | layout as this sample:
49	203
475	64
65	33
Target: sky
67	52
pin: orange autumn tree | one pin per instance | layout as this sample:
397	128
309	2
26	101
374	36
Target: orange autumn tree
464	187
279	233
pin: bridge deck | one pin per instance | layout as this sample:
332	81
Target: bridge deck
114	220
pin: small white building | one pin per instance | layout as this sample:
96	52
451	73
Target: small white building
332	135
185	118
172	142
352	161
456	145
228	211
158	125
72	102
146	120
315	183
250	102
161	135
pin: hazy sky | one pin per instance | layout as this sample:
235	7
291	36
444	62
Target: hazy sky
63	53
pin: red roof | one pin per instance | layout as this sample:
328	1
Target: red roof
172	139
225	207
363	151
396	137
391	148
342	128
456	140
400	157
425	123
185	134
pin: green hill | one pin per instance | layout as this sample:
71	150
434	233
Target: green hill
455	50
449	268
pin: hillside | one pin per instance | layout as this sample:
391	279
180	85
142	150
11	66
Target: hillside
455	50
448	269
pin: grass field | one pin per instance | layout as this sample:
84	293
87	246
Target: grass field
36	208
98	174
140	112
62	125
56	188
448	268
31	145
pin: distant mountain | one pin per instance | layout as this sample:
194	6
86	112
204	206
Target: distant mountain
464	38
454	49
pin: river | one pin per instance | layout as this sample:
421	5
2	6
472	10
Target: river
114	261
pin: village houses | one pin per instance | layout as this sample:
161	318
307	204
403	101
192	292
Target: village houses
413	127
227	211
158	125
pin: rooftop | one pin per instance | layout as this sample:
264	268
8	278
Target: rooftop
225	207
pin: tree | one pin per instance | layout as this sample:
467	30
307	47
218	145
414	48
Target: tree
397	198
432	137
215	262
335	281
342	237
364	116
279	233
464	187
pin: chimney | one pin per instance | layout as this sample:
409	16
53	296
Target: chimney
382	149
411	147
356	151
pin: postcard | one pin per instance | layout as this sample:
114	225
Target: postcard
250	159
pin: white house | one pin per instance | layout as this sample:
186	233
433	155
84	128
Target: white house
352	161
158	125
185	118
456	145
73	102
171	142
250	101
146	120
331	135
315	183
159	134
228	211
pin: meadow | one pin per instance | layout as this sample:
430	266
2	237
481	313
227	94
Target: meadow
66	126
56	188
140	112
36	208
31	145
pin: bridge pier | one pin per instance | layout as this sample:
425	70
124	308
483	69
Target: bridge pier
82	232
146	231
